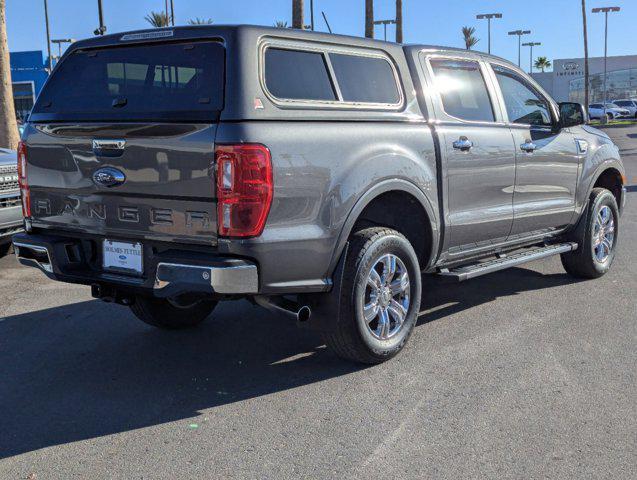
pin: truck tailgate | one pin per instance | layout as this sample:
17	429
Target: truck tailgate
167	192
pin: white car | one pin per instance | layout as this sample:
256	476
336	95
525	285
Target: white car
596	111
628	104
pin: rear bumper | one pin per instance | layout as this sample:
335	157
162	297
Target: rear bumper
167	274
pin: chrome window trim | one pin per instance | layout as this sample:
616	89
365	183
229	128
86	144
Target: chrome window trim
325	50
498	117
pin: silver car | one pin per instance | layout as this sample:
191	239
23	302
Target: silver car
10	209
630	105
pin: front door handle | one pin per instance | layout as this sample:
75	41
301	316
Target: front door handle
463	143
528	146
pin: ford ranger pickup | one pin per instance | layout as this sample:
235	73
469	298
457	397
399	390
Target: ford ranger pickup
317	175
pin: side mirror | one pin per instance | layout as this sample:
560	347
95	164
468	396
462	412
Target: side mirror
572	114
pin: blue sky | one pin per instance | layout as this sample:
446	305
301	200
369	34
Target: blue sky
555	23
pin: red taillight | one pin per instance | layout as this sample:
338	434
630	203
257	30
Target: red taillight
22	179
244	189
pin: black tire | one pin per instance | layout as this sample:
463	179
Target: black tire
161	313
5	248
582	263
352	337
610	116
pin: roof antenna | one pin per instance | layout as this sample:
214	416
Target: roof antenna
326	22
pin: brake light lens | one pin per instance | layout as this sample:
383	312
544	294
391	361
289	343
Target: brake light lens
244	189
22	180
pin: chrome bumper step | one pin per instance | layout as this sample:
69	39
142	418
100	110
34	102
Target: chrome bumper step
466	272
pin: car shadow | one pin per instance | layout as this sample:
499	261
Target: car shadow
90	369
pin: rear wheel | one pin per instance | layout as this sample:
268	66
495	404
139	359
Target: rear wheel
380	297
597	237
163	313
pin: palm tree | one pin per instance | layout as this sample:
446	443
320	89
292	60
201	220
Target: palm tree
399	21
469	39
158	19
369	18
281	24
200	21
586	72
297	14
8	124
541	63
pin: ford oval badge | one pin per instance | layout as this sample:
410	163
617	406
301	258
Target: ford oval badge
108	177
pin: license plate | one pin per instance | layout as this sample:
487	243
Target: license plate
123	256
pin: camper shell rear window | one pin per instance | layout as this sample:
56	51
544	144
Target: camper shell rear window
157	82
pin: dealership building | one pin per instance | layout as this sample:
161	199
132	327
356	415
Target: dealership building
566	81
28	74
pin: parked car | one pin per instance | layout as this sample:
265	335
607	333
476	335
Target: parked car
597	110
317	175
628	104
10	207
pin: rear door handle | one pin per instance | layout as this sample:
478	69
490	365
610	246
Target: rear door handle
463	143
528	146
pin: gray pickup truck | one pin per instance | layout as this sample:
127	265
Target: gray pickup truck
10	206
316	175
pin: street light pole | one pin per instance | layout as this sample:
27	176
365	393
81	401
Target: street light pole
312	14
384	23
519	33
531	44
48	34
605	11
489	16
59	43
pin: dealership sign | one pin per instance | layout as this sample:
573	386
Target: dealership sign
570	69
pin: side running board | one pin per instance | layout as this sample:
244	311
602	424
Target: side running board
466	272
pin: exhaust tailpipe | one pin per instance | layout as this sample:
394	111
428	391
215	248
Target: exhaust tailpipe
300	313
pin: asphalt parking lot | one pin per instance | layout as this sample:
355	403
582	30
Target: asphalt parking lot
526	373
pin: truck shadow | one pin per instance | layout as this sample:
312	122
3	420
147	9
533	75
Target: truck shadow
90	369
442	297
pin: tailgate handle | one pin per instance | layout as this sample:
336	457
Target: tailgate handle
109	148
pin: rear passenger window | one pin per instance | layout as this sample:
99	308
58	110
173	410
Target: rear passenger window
297	75
462	89
365	79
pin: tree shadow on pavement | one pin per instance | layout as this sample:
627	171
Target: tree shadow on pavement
90	369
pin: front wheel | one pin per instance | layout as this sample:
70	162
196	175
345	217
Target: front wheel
380	297
597	237
163	313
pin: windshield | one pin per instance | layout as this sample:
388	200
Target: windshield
176	82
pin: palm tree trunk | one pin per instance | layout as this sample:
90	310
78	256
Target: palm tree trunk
399	21
586	72
297	14
8	124
369	18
